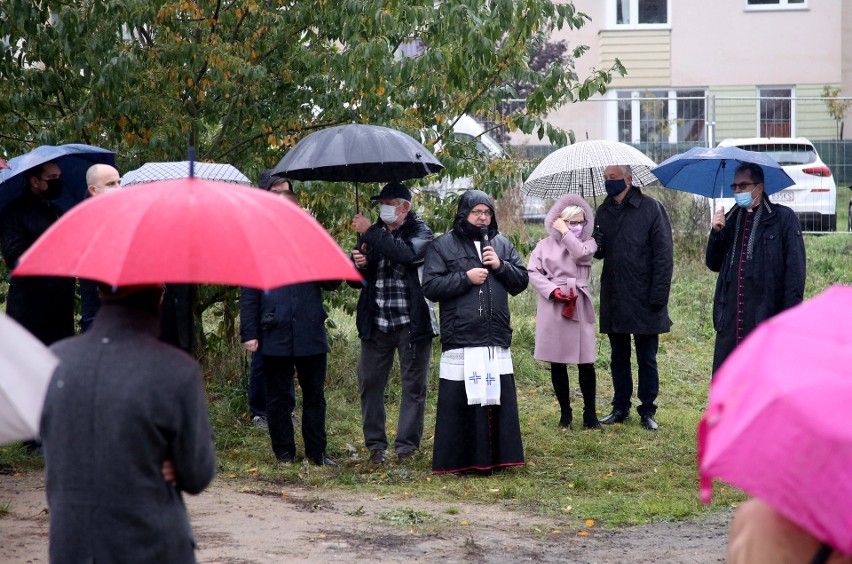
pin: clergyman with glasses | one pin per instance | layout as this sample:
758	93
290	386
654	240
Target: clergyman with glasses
565	332
634	238
471	271
758	251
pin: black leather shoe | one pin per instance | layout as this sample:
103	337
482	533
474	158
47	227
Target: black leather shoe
617	416
565	419
287	458
324	461
649	423
377	456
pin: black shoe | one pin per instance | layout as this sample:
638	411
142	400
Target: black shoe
591	422
404	457
649	423
324	460
566	418
287	458
377	456
617	416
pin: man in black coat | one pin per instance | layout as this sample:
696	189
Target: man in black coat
286	326
43	305
471	272
100	178
758	251
634	239
393	315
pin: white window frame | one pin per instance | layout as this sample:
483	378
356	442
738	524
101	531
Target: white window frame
636	112
634	11
780	5
758	94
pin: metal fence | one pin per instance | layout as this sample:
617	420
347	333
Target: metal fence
662	124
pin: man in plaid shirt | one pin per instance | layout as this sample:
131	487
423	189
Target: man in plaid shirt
393	316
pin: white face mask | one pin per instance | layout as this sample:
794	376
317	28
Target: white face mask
388	213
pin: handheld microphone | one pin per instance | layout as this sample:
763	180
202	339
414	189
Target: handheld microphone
483	235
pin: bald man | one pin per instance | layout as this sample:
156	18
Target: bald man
100	178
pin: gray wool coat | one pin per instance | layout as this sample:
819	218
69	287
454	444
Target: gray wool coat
119	404
565	262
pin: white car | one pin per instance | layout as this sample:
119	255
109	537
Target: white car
813	196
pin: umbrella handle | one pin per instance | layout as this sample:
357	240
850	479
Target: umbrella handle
357	205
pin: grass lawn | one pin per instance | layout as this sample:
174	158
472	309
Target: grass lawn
622	476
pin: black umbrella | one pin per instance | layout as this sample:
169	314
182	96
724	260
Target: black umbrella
357	153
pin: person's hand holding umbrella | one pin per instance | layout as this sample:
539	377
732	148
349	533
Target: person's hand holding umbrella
718	222
360	224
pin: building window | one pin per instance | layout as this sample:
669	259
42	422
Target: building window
640	12
690	116
776	112
661	116
775	4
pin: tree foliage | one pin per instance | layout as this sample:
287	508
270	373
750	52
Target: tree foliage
243	81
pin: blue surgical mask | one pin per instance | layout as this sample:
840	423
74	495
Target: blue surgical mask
615	187
744	199
387	213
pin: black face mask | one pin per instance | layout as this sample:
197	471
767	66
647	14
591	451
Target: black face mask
615	187
471	230
54	189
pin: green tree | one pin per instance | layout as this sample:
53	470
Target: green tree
837	108
244	81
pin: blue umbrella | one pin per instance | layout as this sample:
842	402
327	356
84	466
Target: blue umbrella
710	172
73	159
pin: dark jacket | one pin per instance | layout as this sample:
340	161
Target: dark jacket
43	305
288	321
638	261
406	248
778	268
119	404
463	323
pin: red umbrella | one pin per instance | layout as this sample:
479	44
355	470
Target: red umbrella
188	231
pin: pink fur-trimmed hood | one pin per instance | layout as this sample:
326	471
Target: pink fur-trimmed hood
561	204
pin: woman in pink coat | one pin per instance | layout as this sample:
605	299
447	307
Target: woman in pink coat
559	270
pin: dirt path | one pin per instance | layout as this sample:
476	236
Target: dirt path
256	522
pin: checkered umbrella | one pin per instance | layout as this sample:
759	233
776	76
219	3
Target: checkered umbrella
154	172
578	169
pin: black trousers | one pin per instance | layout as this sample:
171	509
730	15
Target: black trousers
279	379
622	379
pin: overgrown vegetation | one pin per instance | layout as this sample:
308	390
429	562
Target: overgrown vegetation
622	476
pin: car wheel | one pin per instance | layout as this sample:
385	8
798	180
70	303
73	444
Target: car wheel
831	222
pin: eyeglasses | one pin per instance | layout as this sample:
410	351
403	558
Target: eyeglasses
481	213
577	223
744	185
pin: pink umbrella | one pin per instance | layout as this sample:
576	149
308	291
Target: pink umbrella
778	423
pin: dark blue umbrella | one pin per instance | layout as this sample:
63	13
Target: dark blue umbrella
73	159
710	172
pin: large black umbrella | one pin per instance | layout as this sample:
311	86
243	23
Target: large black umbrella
357	153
